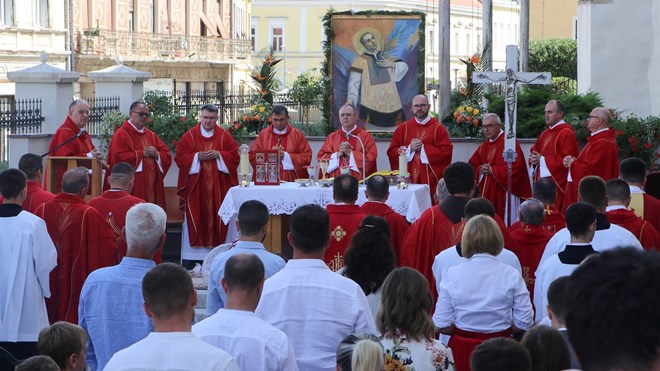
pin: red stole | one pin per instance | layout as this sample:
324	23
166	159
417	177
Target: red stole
128	145
398	224
293	142
113	206
202	193
643	230
84	243
344	222
331	145
35	196
532	240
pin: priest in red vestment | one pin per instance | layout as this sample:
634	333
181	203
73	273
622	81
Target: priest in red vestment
545	190
344	147
599	157
141	148
441	226
114	203
33	167
345	218
633	171
531	238
295	152
427	143
84	242
617	212
208	158
71	139
552	146
491	169
378	189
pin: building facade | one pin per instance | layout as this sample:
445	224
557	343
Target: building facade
552	19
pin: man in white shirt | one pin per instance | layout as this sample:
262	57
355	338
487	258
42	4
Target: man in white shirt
169	300
252	224
581	222
254	343
314	306
28	256
592	190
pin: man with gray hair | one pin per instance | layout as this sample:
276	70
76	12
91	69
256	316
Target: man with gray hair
84	241
111	300
531	238
491	171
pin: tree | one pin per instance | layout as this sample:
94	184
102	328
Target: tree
557	56
307	90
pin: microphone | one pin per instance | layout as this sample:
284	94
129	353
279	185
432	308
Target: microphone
364	155
81	132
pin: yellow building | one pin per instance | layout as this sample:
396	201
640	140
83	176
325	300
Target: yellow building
552	19
294	28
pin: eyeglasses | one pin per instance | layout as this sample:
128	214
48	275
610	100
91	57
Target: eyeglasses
490	126
209	118
419	105
594	117
141	114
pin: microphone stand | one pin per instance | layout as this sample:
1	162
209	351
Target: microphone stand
64	143
364	155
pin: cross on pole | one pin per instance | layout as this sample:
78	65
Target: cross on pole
511	78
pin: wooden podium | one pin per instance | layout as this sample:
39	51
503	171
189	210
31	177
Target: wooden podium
56	166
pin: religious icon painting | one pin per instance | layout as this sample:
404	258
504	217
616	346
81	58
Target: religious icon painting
267	167
377	64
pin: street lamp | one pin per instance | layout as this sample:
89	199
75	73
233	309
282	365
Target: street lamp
284	50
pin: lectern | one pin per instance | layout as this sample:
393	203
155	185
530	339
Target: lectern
56	166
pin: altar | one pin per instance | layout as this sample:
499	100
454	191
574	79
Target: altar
282	200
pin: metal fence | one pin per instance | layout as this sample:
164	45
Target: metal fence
18	117
98	107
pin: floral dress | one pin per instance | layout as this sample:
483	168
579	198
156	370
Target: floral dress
412	355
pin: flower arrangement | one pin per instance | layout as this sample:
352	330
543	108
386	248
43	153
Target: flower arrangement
257	116
638	137
471	90
468	118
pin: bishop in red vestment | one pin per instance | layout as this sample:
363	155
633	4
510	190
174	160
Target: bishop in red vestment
208	158
552	146
114	203
377	192
633	171
32	166
617	212
71	139
599	157
427	143
141	148
491	171
345	218
295	152
84	242
545	190
344	147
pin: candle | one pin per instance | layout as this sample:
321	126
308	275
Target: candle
245	159
403	164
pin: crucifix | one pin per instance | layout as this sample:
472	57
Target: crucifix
511	78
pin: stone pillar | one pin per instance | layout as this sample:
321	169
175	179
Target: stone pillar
120	81
54	86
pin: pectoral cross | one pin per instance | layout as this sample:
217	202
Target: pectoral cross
511	78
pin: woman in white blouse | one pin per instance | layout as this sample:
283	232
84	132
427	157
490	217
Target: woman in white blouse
481	298
406	326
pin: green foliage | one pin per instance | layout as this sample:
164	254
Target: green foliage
109	124
557	56
313	129
307	90
264	77
531	106
4	165
637	137
166	121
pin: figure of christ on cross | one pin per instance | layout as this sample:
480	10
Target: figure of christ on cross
511	78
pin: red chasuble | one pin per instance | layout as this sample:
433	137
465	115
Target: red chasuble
493	187
202	193
84	243
293	142
643	230
127	145
398	224
531	240
344	221
650	210
553	222
113	206
437	146
78	147
35	196
599	157
555	144
331	145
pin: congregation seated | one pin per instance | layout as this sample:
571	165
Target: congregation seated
547	348
360	352
369	259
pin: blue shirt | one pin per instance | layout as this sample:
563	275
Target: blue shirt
111	309
216	296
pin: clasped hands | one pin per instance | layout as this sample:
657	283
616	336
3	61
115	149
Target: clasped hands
208	155
345	149
568	161
485	169
151	151
280	151
416	145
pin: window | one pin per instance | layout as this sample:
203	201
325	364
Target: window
431	42
42	14
131	15
456	51
277	38
468	51
253	35
152	16
7	12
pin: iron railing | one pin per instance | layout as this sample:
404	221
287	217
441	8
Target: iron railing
98	107
18	117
